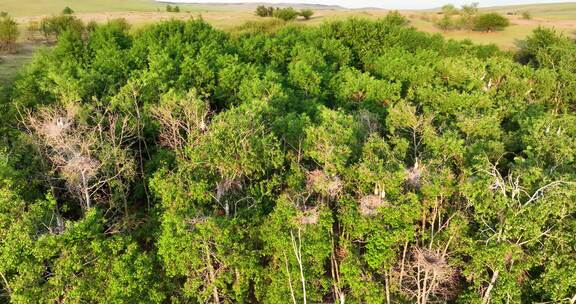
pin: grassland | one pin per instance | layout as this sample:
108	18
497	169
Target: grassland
553	11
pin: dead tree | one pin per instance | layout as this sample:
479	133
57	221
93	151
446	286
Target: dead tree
86	157
180	119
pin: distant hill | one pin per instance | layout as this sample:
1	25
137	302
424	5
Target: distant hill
254	4
565	11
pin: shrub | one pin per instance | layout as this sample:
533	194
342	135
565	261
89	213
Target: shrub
262	11
526	15
32	28
286	14
169	8
306	13
53	27
468	15
176	9
490	22
8	34
446	23
67	11
449	10
395	18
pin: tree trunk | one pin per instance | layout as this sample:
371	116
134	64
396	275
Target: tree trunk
289	279
298	254
211	276
486	297
86	190
8	290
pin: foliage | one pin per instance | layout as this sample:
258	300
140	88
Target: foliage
53	27
526	15
67	11
491	22
264	11
286	14
356	161
8	34
306	13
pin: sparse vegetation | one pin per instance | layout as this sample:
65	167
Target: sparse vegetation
8	34
264	11
526	15
172	9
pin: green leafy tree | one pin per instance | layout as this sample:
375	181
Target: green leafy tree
261	11
491	22
449	10
286	14
67	11
306	13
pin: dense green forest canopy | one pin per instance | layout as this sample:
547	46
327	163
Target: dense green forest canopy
357	161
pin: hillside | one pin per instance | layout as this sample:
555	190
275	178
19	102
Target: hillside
560	11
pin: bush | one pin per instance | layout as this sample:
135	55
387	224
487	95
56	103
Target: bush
53	27
286	14
32	28
526	15
490	22
306	13
261	11
169	8
449	10
446	23
395	18
67	11
8	34
176	9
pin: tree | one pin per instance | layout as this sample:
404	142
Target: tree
359	161
446	23
67	11
491	22
32	29
526	15
306	13
176	9
54	27
286	14
262	11
8	34
449	10
169	8
468	14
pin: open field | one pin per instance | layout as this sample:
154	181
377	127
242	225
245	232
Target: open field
555	11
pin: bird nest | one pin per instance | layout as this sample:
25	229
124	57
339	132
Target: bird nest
433	263
414	176
81	165
56	127
225	186
369	204
309	216
319	182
